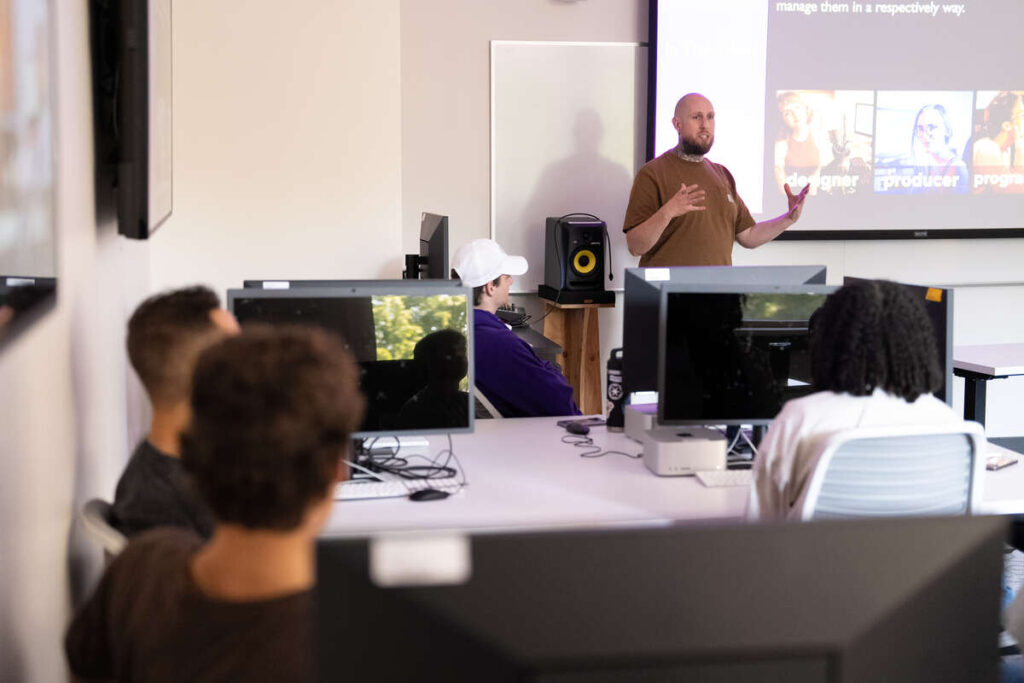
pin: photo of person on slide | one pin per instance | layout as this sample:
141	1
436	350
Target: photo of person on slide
999	142
933	164
824	140
800	148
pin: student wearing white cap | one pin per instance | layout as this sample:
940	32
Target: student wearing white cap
508	371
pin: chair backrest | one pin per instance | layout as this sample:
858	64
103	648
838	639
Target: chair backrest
96	517
487	405
896	471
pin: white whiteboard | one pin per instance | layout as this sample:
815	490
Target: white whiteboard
567	135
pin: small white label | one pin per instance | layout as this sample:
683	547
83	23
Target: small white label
656	274
419	560
20	281
275	284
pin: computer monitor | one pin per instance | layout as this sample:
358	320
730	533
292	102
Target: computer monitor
733	354
913	599
642	297
434	247
413	341
938	303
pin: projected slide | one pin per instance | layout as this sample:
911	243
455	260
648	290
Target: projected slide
901	116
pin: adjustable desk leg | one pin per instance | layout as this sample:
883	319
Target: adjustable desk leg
974	399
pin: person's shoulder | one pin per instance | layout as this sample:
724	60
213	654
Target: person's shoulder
934	406
719	169
663	160
488	321
163	541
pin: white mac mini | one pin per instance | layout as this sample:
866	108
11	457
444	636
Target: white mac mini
683	451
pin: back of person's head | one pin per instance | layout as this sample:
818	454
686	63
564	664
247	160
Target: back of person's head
273	410
442	355
874	333
166	334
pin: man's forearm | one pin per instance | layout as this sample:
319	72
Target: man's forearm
765	231
640	239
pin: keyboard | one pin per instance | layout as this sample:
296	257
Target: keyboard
716	478
369	489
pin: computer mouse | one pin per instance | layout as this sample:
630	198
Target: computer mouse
577	428
424	495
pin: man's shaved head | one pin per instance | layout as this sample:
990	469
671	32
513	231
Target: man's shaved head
688	98
694	120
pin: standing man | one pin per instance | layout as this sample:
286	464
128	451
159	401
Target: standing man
684	210
508	371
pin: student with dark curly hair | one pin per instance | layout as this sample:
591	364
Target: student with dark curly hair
874	362
272	414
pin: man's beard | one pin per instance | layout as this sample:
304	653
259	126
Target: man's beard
695	146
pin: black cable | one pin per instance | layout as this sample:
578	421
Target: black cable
580	441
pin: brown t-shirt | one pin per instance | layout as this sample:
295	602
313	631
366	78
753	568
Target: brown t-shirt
697	238
149	621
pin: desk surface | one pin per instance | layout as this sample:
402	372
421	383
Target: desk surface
990	359
521	476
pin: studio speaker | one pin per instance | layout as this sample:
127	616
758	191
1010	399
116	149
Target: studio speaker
574	253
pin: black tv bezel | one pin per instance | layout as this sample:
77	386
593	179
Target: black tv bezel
804	235
121	88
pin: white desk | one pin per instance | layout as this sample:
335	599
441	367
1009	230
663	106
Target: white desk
979	364
521	476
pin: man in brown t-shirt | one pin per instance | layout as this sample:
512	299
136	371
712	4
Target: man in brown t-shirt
684	210
272	411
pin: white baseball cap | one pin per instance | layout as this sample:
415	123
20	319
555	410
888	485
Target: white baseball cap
483	261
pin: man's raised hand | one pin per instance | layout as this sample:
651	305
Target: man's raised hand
796	202
688	198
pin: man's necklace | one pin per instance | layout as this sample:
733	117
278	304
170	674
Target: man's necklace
696	158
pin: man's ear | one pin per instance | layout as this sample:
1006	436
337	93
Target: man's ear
489	288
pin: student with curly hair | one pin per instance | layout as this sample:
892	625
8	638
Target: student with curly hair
272	414
874	362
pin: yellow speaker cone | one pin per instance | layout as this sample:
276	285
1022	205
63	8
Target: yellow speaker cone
584	261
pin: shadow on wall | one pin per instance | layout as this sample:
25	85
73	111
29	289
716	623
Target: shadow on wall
584	181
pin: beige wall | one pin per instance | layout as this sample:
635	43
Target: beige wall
287	147
62	407
446	94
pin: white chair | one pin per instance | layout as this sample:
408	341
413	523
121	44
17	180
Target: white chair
488	406
96	517
897	471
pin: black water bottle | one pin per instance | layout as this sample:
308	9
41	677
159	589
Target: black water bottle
615	393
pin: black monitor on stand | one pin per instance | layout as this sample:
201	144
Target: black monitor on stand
913	599
432	261
643	297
